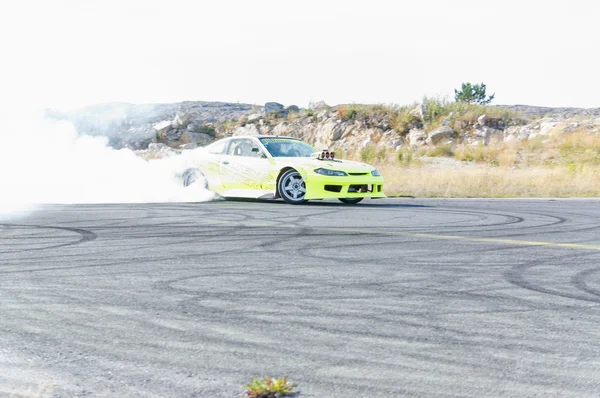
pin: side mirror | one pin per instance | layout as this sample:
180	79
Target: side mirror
258	152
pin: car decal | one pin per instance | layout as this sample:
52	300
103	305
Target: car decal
239	175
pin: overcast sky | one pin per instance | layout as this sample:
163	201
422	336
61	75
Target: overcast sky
70	53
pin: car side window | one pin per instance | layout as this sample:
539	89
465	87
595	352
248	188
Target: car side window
242	147
217	148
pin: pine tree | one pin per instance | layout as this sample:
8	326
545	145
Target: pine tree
473	94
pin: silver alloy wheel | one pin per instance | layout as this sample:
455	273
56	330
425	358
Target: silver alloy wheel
292	187
190	176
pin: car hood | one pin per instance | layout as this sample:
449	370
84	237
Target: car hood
312	163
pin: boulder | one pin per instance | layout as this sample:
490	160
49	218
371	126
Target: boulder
158	150
510	138
317	105
157	146
366	143
440	134
416	138
189	145
181	120
281	129
201	139
323	114
375	135
486	135
324	133
494	136
173	135
271	107
418	111
459	126
546	128
482	119
337	132
162	127
292	108
254	117
249	129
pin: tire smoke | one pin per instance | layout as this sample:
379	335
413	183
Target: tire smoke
47	162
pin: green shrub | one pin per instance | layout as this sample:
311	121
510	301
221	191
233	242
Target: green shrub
206	129
367	154
270	388
435	108
352	113
479	154
405	157
441	151
402	120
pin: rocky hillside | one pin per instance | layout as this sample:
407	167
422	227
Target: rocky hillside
433	123
345	127
136	126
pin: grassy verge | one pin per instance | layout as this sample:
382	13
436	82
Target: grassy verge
489	182
558	166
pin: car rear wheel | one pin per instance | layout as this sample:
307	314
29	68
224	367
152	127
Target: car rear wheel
292	187
350	201
192	176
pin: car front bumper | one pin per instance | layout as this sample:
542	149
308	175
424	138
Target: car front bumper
324	187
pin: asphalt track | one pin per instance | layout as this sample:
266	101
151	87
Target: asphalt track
388	298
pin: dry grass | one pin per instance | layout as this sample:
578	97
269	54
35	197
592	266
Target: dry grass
437	151
484	154
488	182
565	165
579	148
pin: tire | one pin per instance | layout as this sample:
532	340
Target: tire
191	176
291	187
350	201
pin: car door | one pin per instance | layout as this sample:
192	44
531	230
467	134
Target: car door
210	164
245	168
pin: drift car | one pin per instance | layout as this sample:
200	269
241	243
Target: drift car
282	167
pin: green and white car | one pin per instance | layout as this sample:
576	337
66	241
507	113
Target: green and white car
271	167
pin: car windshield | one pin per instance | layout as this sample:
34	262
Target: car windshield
287	147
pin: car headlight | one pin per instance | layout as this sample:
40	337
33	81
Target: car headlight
328	172
376	173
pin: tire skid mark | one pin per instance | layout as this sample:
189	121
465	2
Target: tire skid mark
391	326
86	236
509	219
516	276
580	281
451	336
135	261
559	221
560	232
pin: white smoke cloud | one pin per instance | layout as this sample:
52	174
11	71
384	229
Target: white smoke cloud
46	162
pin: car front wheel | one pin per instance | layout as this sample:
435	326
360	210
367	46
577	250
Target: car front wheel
292	187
